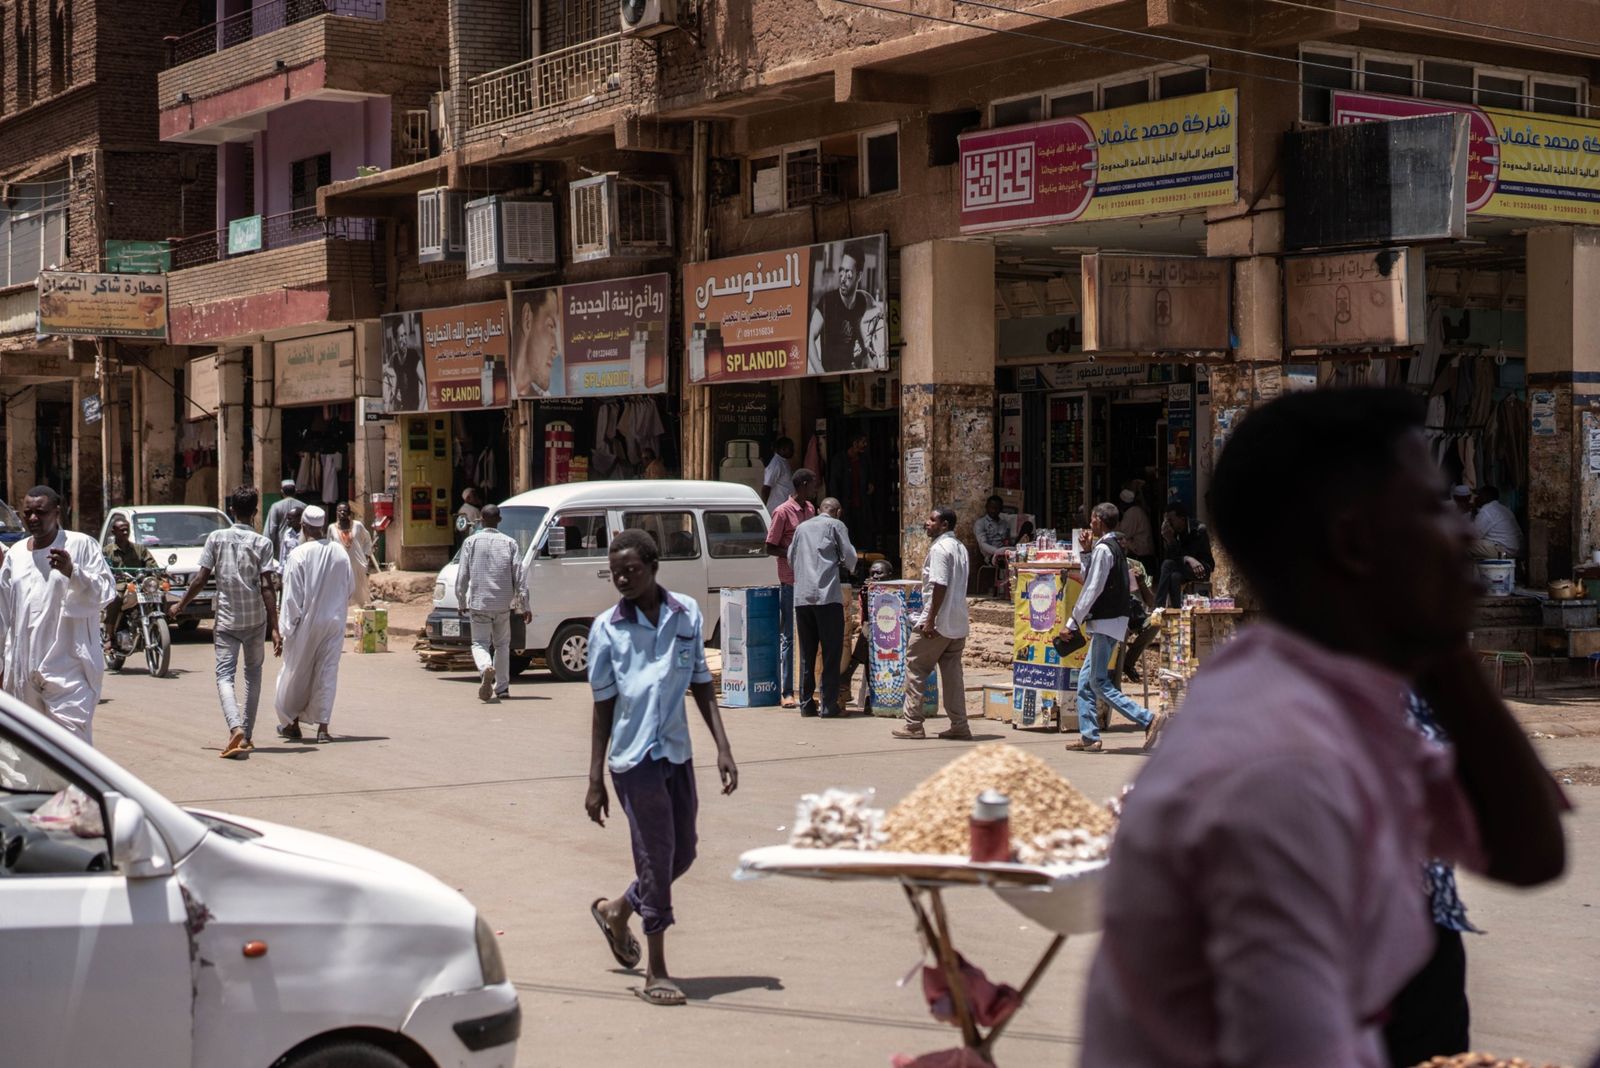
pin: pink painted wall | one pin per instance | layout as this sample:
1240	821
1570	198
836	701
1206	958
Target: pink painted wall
355	132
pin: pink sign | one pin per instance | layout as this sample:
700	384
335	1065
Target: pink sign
1483	157
1027	174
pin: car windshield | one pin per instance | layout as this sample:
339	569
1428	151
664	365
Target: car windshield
10	521
176	530
521	523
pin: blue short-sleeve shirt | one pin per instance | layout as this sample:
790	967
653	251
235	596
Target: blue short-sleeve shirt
648	669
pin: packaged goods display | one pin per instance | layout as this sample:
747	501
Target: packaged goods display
837	819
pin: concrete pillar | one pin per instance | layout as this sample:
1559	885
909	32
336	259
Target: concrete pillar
1563	370
22	443
231	443
87	512
946	387
267	456
158	437
116	418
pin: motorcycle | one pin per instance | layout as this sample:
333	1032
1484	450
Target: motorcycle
146	627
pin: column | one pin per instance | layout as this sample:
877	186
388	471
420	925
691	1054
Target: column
22	443
268	427
946	387
231	443
87	512
158	436
1564	374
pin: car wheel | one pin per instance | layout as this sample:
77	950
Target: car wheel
568	657
520	662
347	1054
187	627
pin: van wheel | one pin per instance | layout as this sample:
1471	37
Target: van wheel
348	1054
568	658
520	662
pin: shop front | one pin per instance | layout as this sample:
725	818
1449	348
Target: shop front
314	391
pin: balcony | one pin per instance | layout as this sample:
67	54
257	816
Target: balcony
224	79
555	87
308	271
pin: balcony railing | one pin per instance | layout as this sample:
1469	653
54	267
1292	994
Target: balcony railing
262	19
546	82
277	231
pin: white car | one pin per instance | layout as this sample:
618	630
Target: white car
174	534
134	933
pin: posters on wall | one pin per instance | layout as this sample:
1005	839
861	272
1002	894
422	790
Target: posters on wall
102	305
818	309
446	359
1154	158
314	370
591	339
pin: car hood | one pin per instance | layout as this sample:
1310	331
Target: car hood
447	576
185	558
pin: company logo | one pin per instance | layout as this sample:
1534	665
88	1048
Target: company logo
766	687
887	618
997	176
1040	597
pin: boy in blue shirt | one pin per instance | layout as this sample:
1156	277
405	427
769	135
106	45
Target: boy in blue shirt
643	655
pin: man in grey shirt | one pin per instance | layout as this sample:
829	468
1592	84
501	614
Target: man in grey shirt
278	517
489	584
820	547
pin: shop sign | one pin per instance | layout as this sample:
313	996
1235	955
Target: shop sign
1520	165
244	235
593	339
103	305
1354	299
446	359
204	388
1157	158
1083	374
314	370
819	309
1155	303
139	257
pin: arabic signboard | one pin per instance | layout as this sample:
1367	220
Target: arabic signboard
446	359
820	309
139	257
314	370
244	235
203	387
1145	159
1354	299
1520	165
103	305
1155	303
590	340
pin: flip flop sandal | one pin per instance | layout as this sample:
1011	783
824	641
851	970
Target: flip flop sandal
628	955
661	995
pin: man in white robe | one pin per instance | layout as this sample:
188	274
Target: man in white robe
317	583
53	587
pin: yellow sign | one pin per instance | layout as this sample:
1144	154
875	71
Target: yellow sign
103	305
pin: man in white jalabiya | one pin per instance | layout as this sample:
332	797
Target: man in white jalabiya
317	583
53	587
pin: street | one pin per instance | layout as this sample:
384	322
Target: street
489	798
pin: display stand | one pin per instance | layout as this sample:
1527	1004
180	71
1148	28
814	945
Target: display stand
1043	593
1190	636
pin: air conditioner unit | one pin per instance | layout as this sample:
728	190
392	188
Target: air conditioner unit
414	135
613	215
510	235
441	225
647	18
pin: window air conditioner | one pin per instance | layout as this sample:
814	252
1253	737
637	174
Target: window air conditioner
613	215
510	235
647	18
441	225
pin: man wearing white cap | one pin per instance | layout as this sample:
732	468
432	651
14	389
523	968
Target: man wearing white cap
277	522
1137	535
317	583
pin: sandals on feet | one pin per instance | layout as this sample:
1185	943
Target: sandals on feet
661	995
628	953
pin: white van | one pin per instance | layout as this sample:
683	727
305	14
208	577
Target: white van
711	535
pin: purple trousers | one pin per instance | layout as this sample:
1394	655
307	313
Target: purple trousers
659	799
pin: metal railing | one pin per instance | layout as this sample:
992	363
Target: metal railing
546	82
277	231
262	19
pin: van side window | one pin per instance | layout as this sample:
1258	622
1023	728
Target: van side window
734	535
586	533
673	531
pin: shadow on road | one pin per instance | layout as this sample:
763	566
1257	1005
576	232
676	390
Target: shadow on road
708	987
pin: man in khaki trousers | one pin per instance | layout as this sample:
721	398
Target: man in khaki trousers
939	634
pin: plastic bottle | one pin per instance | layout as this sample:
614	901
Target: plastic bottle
991	827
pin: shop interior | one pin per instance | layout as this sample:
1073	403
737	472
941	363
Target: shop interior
318	442
582	439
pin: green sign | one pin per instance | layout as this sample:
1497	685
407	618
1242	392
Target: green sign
138	257
244	235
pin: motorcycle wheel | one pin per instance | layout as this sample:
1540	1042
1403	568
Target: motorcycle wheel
158	653
114	661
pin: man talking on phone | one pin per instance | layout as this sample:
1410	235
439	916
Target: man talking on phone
53	587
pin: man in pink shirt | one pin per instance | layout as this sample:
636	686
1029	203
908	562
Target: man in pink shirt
1263	901
785	517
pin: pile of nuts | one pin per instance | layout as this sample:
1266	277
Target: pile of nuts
837	819
934	817
1064	847
1478	1060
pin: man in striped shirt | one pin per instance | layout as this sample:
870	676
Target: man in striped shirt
489	585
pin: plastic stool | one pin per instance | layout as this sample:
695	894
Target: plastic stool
1521	664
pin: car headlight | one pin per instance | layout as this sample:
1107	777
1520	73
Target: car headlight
438	591
494	968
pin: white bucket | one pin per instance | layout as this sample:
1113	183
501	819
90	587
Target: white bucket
1498	575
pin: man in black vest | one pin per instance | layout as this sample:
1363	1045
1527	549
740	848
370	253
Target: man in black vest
1102	615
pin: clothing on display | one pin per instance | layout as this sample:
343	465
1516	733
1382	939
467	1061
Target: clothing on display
624	428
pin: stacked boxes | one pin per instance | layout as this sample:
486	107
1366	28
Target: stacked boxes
750	646
372	630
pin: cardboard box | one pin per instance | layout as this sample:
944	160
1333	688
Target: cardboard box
750	646
372	630
997	703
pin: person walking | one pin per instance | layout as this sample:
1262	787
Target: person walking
939	633
490	585
819	548
786	518
470	515
317	584
246	607
357	541
279	516
291	537
1101	615
643	655
54	585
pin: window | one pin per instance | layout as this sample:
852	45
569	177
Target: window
1395	78
880	161
766	184
1320	73
1119	96
1180	83
1446	81
1156	83
1554	98
307	176
1074	103
736	535
33	230
49	824
176	530
586	534
1015	112
1501	91
521	523
60	45
673	532
26	42
1327	67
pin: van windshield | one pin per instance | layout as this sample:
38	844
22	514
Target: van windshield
522	523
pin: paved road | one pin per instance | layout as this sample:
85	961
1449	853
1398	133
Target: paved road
779	972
